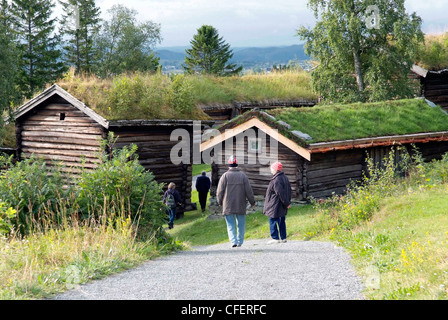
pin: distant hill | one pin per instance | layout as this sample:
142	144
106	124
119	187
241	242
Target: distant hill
270	54
249	57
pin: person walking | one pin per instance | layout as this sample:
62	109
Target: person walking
203	187
232	191
171	199
277	202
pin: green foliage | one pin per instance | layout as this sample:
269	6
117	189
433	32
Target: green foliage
80	23
40	59
150	97
433	55
363	198
121	186
180	95
33	189
126	45
209	54
6	217
8	60
359	62
127	93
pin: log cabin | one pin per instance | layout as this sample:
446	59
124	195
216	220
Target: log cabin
221	113
434	85
324	148
56	126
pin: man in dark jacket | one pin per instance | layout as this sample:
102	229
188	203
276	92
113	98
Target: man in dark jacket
277	202
232	192
203	186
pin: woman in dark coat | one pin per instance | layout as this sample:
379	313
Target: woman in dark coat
277	202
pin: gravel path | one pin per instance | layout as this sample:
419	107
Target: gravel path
293	270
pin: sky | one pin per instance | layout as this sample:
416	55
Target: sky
255	23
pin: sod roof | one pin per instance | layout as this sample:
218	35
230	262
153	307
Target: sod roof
157	96
327	123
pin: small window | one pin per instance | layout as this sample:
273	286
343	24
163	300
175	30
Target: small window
62	116
255	145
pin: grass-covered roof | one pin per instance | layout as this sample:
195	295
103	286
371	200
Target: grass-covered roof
157	96
364	120
326	123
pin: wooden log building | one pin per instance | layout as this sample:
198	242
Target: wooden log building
57	126
221	113
317	169
434	85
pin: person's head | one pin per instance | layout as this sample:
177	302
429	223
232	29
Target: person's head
275	167
204	173
172	185
232	162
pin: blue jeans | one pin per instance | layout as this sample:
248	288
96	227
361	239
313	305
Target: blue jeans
280	222
172	214
236	227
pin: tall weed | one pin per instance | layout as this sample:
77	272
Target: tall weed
32	189
364	198
120	186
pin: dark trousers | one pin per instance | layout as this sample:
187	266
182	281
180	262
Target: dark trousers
280	222
203	199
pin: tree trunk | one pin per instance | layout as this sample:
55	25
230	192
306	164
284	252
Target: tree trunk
358	70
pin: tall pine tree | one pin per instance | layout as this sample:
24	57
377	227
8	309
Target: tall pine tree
8	59
209	54
80	24
40	61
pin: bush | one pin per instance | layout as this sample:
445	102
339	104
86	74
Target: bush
118	191
363	198
31	188
180	95
122	188
6	217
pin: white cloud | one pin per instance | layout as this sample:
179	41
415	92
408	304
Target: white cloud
251	22
239	22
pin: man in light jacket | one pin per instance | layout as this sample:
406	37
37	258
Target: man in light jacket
233	190
277	202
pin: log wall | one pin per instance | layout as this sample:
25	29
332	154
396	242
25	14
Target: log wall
330	173
154	147
435	88
60	132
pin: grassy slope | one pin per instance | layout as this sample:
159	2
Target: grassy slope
407	242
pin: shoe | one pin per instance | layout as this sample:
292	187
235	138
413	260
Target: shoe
283	240
273	241
238	245
234	245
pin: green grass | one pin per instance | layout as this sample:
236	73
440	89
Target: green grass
198	168
44	264
361	120
157	96
288	85
406	242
